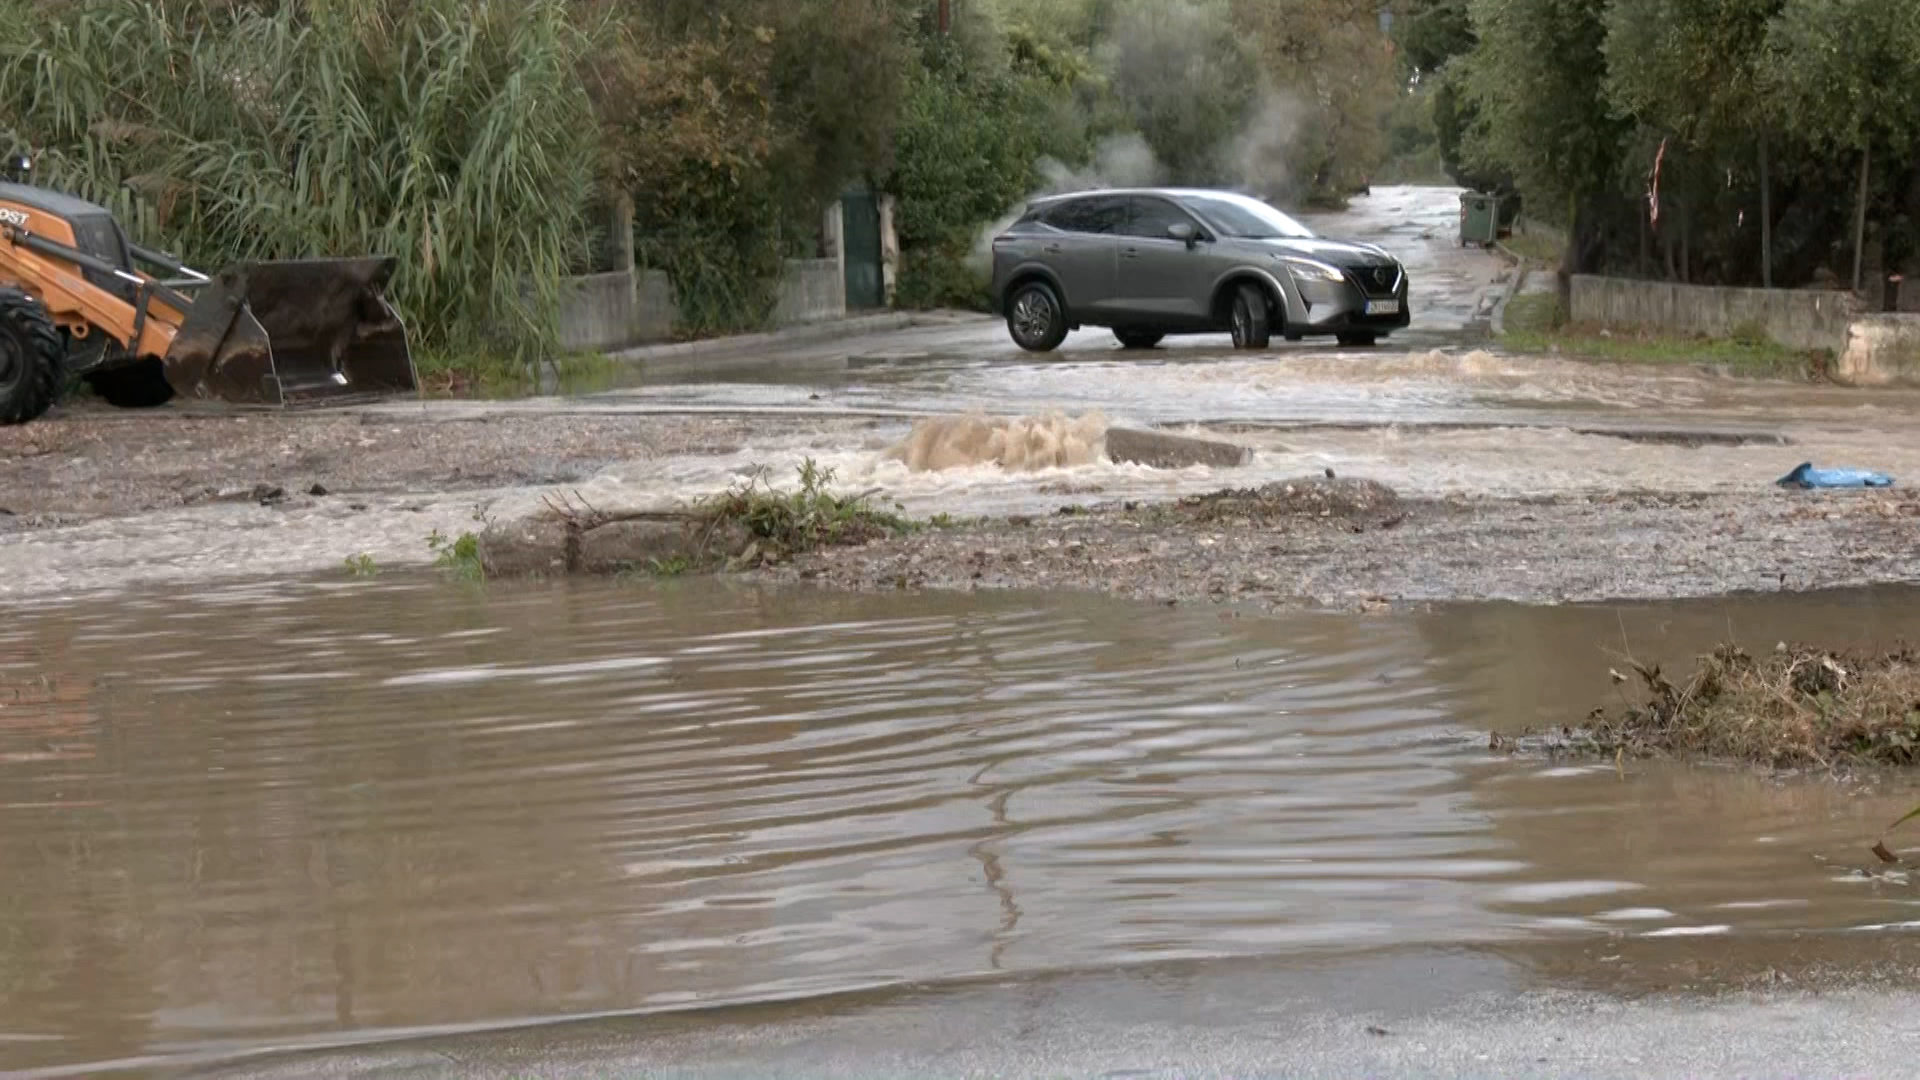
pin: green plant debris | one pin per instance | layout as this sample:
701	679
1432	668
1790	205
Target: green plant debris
1797	707
459	557
782	523
361	565
671	567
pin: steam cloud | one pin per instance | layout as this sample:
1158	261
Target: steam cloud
1180	69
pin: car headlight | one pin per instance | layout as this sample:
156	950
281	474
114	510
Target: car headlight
1313	270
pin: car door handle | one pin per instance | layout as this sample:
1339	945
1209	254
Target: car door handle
1130	253
1052	249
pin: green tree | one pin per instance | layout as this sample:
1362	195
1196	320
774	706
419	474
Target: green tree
1435	37
839	73
690	133
1689	69
1431	32
1847	75
1186	80
1339	78
1537	81
973	133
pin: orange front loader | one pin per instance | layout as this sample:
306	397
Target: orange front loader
74	303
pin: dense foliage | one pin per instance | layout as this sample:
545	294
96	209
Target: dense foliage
1760	120
455	135
482	142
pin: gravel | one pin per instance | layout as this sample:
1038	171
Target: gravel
89	463
97	499
1319	548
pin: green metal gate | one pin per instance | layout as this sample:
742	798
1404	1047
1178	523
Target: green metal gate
860	212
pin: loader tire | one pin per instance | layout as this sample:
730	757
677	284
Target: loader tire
31	358
141	384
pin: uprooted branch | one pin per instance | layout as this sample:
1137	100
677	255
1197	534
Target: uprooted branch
1798	706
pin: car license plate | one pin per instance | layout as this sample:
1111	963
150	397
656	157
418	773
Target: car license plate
1383	307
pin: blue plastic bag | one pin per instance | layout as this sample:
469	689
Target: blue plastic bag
1806	476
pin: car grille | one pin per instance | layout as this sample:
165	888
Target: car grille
1375	282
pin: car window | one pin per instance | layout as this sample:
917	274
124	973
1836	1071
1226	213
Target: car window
1152	217
1247	219
1102	215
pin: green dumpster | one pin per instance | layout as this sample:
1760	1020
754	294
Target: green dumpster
1479	218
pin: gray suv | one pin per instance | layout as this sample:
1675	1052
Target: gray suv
1153	262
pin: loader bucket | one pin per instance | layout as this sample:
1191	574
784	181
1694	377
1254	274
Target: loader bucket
312	331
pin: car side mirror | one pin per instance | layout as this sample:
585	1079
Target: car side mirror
1184	233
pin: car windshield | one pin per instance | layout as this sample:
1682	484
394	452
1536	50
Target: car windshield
1247	219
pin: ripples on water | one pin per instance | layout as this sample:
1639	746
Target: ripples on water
286	811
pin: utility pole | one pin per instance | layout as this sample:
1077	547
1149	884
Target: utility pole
944	16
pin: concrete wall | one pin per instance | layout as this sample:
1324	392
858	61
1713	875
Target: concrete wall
811	290
600	311
629	307
625	308
1882	350
889	249
1800	319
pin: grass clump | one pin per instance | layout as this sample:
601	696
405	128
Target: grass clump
1796	707
458	557
811	516
1533	313
1536	245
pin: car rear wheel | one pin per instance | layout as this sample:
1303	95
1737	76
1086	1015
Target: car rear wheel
1249	320
1035	318
1138	339
1357	339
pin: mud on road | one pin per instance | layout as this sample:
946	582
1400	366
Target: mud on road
97	501
94	462
1345	546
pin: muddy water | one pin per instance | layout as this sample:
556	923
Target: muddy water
1013	462
307	814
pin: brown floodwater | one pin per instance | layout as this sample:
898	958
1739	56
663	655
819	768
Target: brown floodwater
312	813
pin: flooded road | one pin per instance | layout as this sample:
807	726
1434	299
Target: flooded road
112	500
303	814
1433	412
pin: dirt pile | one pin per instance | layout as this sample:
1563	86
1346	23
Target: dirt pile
1358	502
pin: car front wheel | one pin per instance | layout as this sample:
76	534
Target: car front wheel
1249	319
1035	318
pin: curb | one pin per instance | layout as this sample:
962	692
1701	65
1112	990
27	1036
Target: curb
796	335
1497	322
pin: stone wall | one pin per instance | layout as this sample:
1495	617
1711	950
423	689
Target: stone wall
811	290
1882	350
602	311
625	308
1800	319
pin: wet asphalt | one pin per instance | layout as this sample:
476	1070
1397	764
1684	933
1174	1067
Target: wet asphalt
1448	1013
